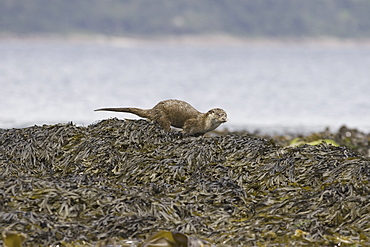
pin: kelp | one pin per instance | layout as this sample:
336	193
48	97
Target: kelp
120	182
13	239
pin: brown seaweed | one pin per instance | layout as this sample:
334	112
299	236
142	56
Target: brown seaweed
120	182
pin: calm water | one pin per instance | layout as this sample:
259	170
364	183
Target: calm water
282	87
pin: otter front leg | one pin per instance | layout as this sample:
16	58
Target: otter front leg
191	128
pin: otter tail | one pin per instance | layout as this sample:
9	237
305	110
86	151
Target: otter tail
137	111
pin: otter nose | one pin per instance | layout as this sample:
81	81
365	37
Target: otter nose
224	119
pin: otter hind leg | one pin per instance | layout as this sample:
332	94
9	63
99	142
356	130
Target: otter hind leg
164	123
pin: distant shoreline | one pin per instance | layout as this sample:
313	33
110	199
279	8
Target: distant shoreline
192	40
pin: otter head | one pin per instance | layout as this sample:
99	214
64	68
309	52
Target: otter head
216	116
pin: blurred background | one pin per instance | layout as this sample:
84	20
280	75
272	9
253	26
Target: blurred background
273	65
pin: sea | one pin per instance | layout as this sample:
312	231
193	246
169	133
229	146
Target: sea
271	87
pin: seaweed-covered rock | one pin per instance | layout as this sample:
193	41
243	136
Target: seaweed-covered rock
118	180
352	138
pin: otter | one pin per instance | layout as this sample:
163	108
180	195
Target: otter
179	114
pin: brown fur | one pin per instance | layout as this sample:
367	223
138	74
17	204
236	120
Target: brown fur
179	114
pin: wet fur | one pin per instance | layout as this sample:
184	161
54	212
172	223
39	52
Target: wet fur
179	114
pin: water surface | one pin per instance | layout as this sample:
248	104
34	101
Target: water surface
261	86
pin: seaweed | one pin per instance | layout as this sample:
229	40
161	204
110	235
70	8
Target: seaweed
129	183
